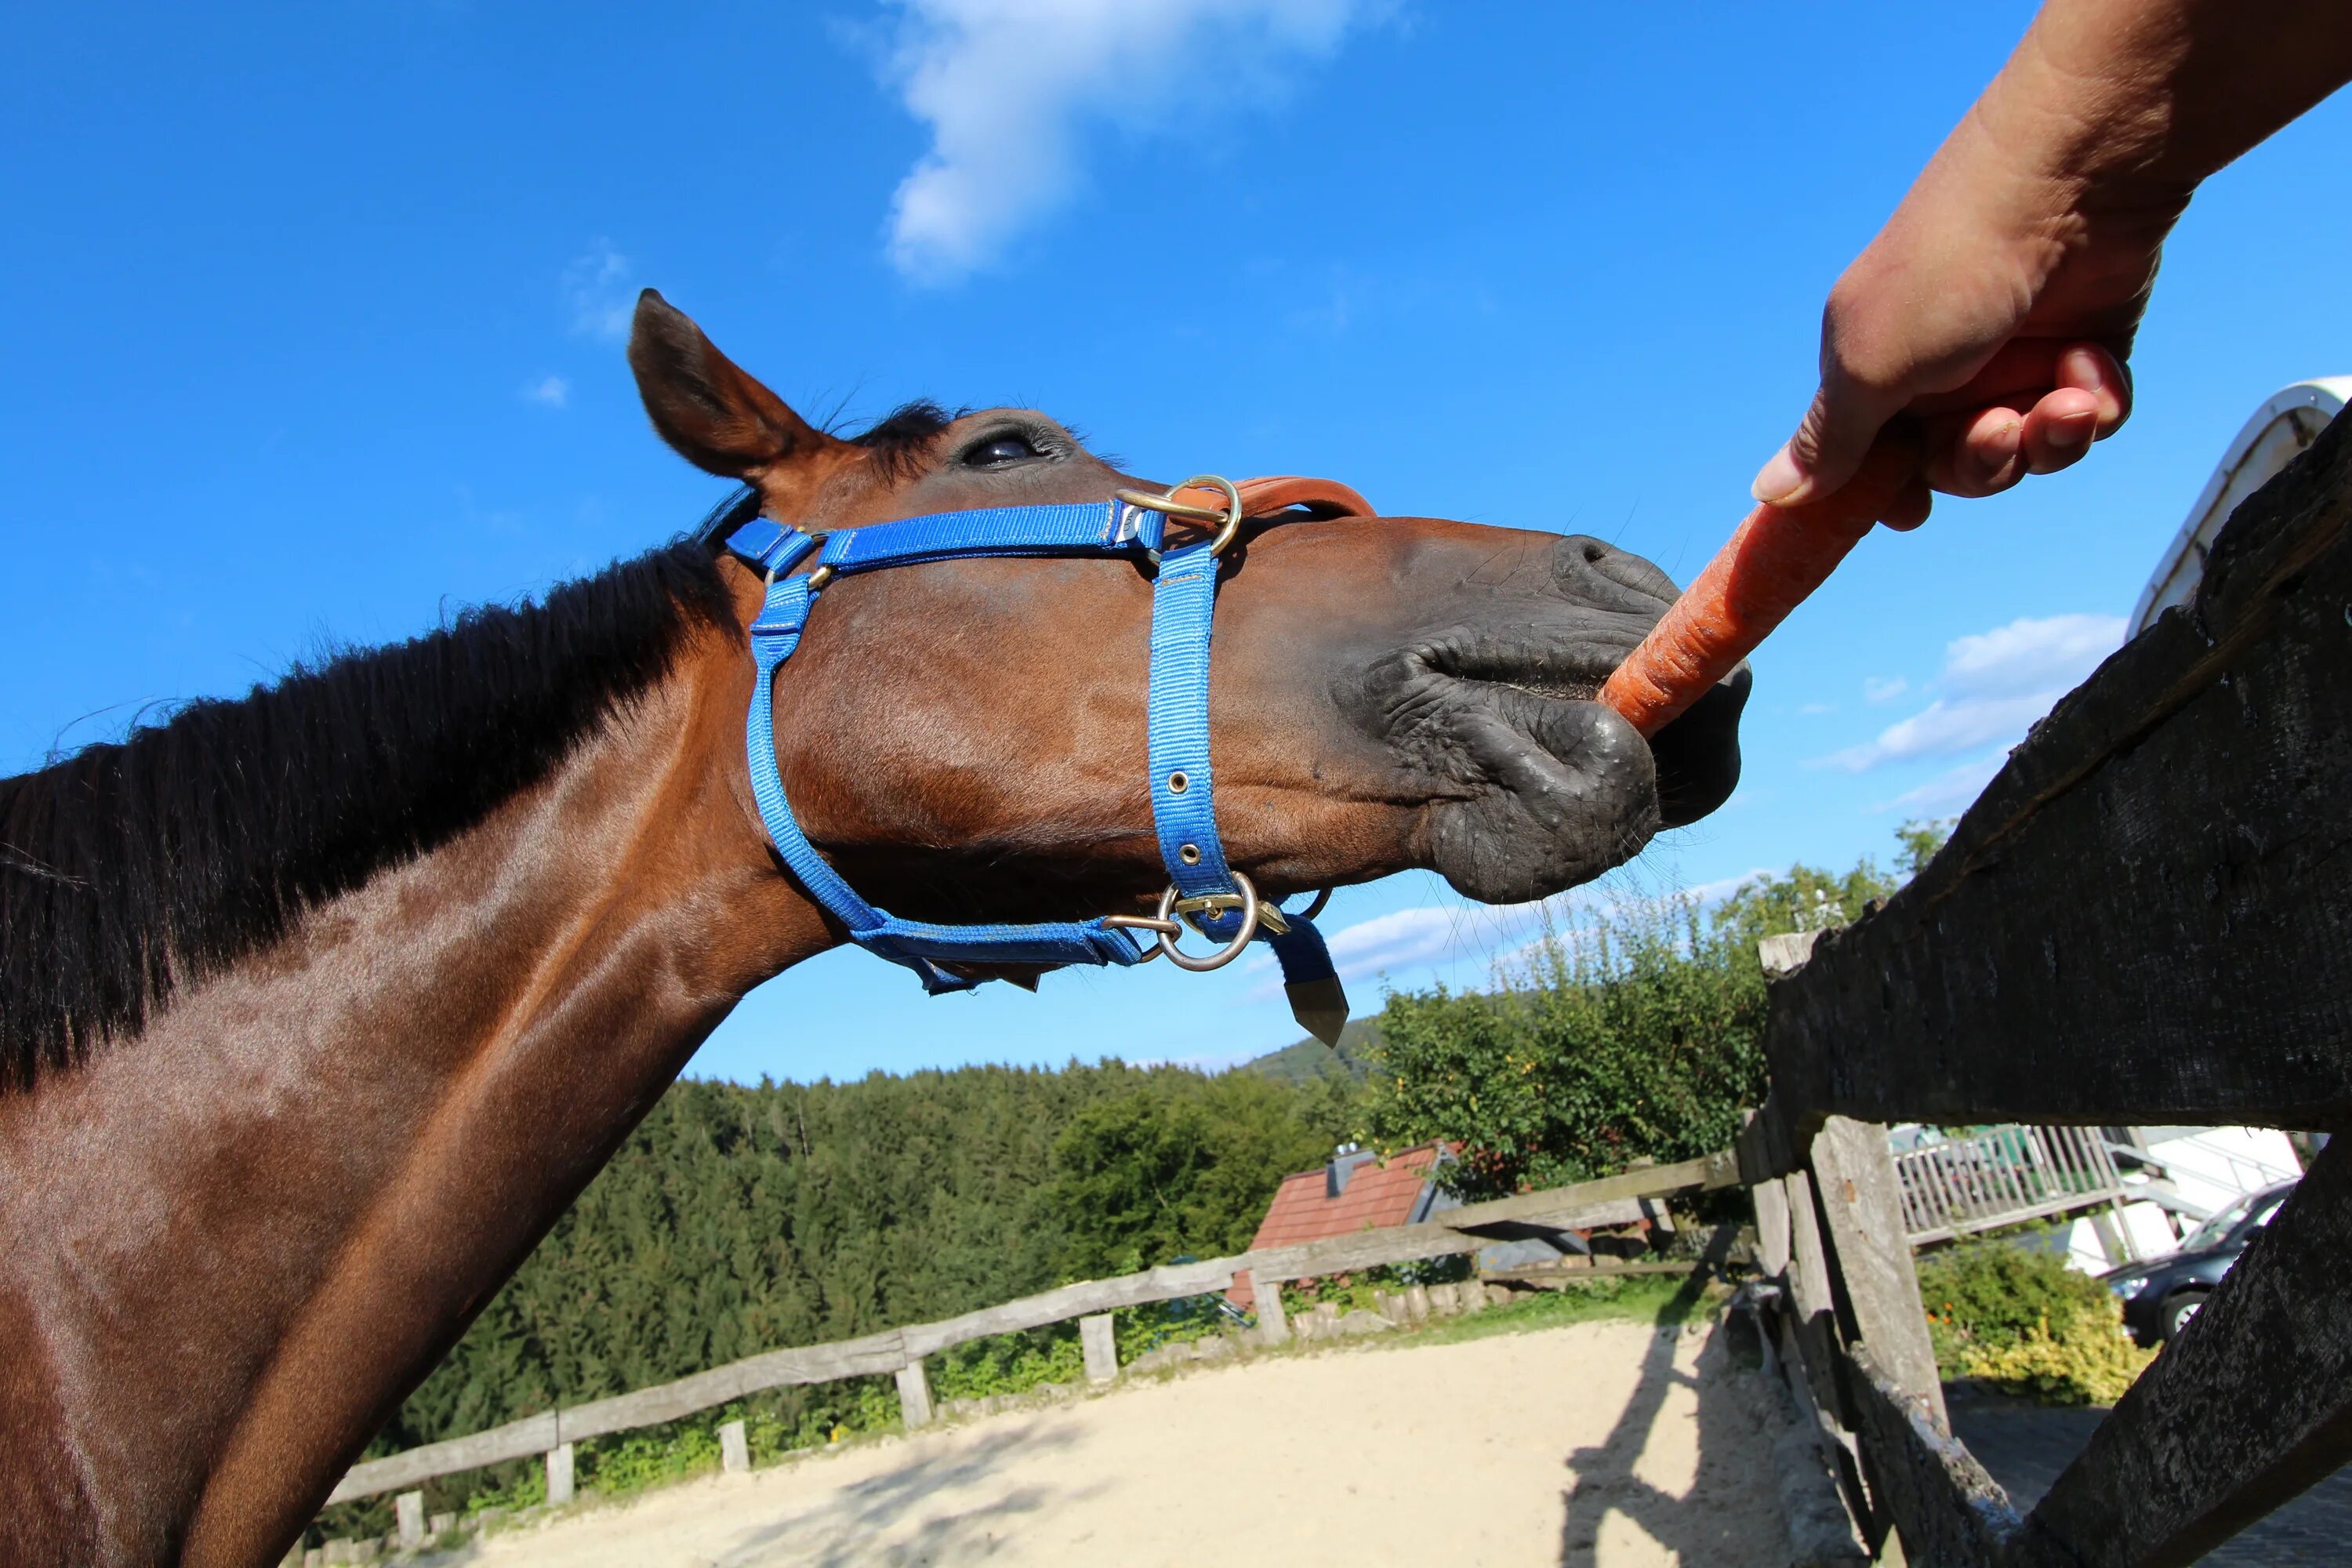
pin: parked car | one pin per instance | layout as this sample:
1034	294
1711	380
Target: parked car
2161	1295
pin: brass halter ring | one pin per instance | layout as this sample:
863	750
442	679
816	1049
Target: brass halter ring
1255	912
1227	519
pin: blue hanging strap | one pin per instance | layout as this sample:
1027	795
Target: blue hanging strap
1183	800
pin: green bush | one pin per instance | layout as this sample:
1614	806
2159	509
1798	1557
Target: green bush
1636	1034
2024	1321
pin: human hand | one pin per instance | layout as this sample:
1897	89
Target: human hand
1996	312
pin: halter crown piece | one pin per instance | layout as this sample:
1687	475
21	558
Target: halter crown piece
1203	891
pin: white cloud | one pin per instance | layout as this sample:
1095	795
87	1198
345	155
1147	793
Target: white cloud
1006	85
1814	710
1994	684
1884	687
1948	790
1506	933
596	286
551	390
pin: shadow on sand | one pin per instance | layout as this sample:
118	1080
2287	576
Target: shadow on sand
847	1527
1708	1526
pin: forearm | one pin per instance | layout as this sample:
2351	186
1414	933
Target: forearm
2150	97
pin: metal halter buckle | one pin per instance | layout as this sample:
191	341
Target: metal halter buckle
1255	912
1227	517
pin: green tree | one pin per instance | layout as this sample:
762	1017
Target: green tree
1638	1036
1635	1038
1182	1164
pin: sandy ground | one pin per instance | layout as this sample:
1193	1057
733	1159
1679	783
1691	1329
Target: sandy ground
1610	1445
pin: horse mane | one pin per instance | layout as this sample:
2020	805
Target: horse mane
134	868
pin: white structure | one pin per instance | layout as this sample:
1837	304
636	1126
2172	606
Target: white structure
2283	426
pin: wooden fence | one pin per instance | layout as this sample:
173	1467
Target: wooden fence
2004	1175
2147	917
899	1351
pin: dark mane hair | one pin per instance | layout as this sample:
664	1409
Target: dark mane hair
134	868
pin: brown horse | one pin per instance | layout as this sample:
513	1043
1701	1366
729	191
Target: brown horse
320	1006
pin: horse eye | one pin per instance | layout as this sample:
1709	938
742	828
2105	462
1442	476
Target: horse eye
1000	450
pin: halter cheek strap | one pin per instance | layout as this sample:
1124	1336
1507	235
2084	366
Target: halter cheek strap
1203	891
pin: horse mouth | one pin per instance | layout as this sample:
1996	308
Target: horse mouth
1535	787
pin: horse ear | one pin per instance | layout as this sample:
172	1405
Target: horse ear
715	414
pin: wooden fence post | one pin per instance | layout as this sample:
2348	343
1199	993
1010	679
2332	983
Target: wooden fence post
559	1474
1861	1198
408	1511
1101	1348
734	1449
914	1395
1772	1200
1273	1328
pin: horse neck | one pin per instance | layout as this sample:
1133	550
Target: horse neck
241	1239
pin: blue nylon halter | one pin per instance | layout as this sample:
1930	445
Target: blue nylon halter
1183	603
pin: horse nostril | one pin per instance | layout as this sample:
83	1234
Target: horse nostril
1594	551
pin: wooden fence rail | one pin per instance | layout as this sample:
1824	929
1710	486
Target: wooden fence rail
896	1350
2146	918
2004	1175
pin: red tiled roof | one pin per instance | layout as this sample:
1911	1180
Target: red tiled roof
1377	1196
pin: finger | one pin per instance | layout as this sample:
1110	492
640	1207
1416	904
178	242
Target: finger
1910	507
2059	429
2090	368
2023	369
1976	454
1830	442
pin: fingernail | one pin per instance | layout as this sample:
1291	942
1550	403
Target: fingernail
1779	481
2072	429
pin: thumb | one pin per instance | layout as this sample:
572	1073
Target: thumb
1829	445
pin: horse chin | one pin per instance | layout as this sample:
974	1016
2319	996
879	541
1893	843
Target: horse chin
1568	789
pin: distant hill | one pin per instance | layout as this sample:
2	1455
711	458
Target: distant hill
1310	1059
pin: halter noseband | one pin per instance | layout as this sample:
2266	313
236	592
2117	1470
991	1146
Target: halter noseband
1219	902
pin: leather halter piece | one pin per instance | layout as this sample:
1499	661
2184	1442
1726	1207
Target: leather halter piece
1203	891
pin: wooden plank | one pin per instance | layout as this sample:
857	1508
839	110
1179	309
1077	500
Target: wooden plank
875	1355
1559	1277
1100	1347
2147	915
2248	1409
1772	1201
1812	1310
914	1397
397	1472
1948	1512
1855	1182
1166	1283
1273	1328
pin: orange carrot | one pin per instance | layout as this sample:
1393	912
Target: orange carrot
1777	556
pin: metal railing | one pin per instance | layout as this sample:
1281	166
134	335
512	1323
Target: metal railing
2004	1175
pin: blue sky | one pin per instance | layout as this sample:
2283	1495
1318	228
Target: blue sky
317	315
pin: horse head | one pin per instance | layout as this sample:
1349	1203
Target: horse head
966	739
